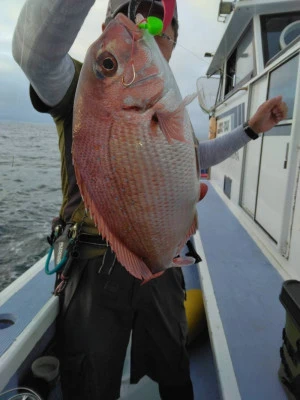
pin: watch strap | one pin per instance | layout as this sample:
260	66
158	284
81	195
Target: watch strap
249	131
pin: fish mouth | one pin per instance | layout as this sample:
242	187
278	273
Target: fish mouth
138	110
135	108
140	107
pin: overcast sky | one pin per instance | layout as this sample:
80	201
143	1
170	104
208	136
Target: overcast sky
199	33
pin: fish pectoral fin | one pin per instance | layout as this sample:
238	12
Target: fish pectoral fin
183	261
189	98
172	122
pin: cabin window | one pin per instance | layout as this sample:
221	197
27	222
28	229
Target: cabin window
240	65
283	81
273	30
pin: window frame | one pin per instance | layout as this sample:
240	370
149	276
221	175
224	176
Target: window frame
267	58
280	65
230	89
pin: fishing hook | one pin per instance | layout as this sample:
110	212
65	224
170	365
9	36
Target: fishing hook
132	80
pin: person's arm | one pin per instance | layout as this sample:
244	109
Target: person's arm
45	32
212	152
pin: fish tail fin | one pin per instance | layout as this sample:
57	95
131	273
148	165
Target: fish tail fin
153	276
133	264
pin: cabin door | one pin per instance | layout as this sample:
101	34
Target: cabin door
265	178
265	172
252	152
272	180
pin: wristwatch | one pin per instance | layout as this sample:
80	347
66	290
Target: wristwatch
249	131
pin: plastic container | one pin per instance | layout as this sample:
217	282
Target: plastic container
46	368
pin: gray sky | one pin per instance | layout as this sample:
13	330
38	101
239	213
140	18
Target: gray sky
199	33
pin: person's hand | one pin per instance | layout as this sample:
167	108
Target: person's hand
268	115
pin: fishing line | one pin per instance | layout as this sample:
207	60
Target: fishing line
188	50
168	37
185	48
165	36
131	62
150	9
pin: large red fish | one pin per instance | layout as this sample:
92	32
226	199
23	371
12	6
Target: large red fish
134	152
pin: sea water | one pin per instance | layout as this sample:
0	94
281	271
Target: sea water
30	194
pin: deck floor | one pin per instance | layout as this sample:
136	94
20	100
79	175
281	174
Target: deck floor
246	287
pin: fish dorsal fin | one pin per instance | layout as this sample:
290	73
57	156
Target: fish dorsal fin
171	122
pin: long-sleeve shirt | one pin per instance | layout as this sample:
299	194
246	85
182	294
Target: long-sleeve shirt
44	34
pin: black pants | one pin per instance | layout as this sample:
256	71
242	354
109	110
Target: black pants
174	392
98	313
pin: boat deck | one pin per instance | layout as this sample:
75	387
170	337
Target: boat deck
241	290
239	359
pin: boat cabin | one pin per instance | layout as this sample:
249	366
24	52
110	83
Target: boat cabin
257	59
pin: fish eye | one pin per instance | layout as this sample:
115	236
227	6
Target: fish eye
106	64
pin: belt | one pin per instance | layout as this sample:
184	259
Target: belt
96	240
87	246
90	246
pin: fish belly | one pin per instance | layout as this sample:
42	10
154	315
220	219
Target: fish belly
141	191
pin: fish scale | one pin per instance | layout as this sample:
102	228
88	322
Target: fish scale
134	153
